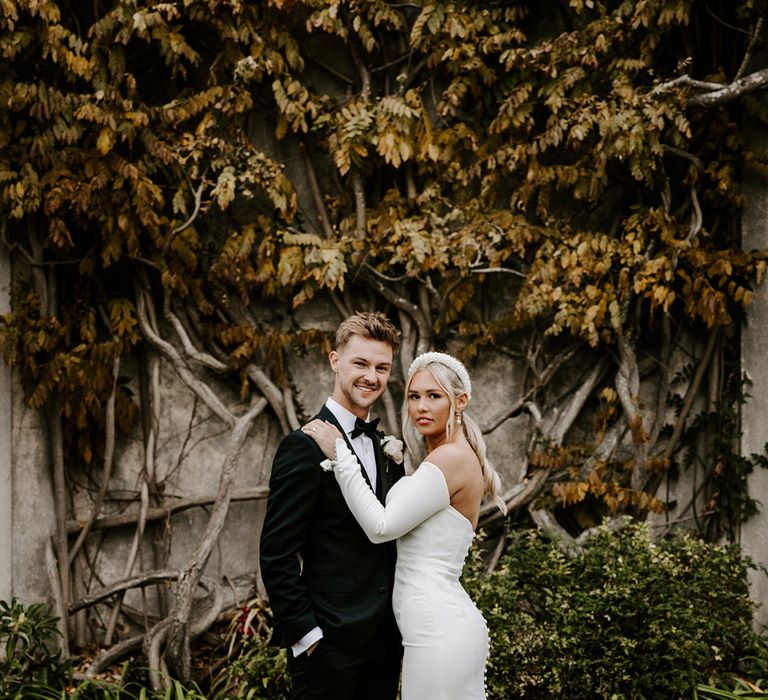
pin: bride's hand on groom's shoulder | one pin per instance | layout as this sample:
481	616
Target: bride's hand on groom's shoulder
324	434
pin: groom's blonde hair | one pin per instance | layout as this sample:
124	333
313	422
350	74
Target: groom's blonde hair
368	324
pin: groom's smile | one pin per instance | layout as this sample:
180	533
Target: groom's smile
362	368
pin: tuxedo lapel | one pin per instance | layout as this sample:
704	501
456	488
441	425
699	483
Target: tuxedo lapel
381	467
325	413
388	470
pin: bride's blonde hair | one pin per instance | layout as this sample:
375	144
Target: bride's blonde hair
454	386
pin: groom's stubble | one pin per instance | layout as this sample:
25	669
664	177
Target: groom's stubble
362	368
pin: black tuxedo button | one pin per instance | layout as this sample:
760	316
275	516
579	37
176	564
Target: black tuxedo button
382	589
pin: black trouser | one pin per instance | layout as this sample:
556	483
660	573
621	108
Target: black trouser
371	672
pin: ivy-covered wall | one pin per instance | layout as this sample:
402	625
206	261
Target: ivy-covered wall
195	193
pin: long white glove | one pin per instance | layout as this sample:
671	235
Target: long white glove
416	498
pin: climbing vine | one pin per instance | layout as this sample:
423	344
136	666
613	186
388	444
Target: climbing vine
558	185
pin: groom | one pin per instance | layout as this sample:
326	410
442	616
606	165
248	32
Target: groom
329	587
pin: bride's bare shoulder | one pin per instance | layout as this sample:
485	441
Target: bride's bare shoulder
452	457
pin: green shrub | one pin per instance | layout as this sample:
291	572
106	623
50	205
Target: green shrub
742	690
259	671
625	618
259	674
32	663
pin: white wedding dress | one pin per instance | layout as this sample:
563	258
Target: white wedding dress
445	637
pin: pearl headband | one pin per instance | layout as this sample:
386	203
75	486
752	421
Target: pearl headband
447	360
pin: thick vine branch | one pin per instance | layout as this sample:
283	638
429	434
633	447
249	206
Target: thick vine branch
106	474
542	379
718	94
174	631
317	195
162	512
203	391
627	384
750	49
267	387
690	395
131	562
148	578
413	311
60	605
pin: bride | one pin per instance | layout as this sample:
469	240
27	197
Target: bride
432	514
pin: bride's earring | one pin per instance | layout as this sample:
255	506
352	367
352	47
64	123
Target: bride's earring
458	417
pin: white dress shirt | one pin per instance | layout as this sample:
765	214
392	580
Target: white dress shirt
362	444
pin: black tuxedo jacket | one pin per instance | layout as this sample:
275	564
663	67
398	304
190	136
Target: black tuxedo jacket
318	566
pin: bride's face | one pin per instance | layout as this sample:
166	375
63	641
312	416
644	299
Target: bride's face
429	407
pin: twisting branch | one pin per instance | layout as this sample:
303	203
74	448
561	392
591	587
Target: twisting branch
56	441
604	450
716	94
361	212
410	182
559	422
516	498
552	430
195	212
272	394
202	390
202	358
255	374
498	550
690	395
673	150
60	605
341	307
106	473
696	217
662	389
317	195
174	630
162	512
722	94
148	578
413	311
390	412
627	384
133	554
151	398
546	522
408	341
362	70
541	379
290	409
750	49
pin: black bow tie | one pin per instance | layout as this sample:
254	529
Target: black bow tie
364	427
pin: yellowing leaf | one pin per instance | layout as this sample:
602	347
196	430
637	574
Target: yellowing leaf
105	141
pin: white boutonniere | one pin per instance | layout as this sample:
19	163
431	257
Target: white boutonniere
392	448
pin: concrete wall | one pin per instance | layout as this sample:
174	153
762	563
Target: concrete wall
189	455
6	481
754	534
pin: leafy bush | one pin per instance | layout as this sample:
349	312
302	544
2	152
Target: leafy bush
28	636
625	618
743	690
259	671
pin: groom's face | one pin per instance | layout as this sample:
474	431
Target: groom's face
362	368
